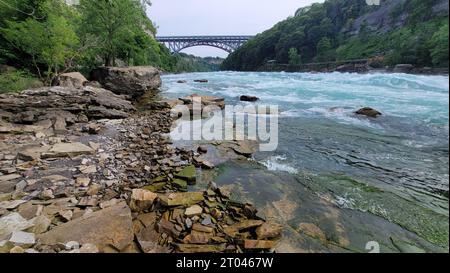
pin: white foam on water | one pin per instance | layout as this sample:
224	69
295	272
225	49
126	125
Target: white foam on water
274	163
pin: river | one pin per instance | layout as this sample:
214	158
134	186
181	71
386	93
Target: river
338	181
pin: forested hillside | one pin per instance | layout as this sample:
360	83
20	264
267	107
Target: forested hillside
42	38
191	63
398	31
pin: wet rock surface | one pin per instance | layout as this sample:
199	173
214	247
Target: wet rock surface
82	172
368	112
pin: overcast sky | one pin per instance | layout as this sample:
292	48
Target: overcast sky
219	17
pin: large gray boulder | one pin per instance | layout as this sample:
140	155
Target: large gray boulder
73	80
130	81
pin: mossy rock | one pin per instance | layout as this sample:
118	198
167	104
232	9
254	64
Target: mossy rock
188	174
159	179
180	183
155	187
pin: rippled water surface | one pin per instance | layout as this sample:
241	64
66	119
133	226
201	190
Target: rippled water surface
394	167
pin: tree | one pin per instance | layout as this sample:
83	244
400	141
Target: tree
294	57
51	42
439	46
118	25
325	50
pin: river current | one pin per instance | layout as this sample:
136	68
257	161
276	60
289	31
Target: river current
372	176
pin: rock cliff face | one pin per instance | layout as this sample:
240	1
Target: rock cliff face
130	81
383	20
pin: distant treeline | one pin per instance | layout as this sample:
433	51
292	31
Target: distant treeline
191	63
404	31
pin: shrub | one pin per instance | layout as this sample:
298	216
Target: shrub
17	80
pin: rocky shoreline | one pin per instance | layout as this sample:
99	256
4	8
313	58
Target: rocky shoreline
83	171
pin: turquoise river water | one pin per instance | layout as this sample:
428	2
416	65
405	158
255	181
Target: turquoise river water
338	180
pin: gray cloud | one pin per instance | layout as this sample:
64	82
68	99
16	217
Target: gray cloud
220	17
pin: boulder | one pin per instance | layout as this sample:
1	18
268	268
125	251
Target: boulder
249	98
205	100
201	81
346	68
131	81
73	79
403	68
369	112
110	229
142	200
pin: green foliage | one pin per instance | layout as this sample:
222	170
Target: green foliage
50	37
439	46
15	81
325	51
294	57
49	40
333	31
121	30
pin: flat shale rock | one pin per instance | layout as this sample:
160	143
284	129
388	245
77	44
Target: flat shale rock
194	248
110	229
181	199
189	174
13	222
69	150
259	244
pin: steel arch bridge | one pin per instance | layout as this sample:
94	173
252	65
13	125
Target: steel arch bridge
227	43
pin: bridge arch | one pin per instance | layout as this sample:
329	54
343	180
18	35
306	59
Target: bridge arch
226	43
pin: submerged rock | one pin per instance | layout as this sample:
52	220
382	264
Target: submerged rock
259	244
369	112
189	174
249	98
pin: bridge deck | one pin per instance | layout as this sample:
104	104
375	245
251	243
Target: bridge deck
196	38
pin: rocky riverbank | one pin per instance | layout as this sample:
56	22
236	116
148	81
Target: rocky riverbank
82	171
